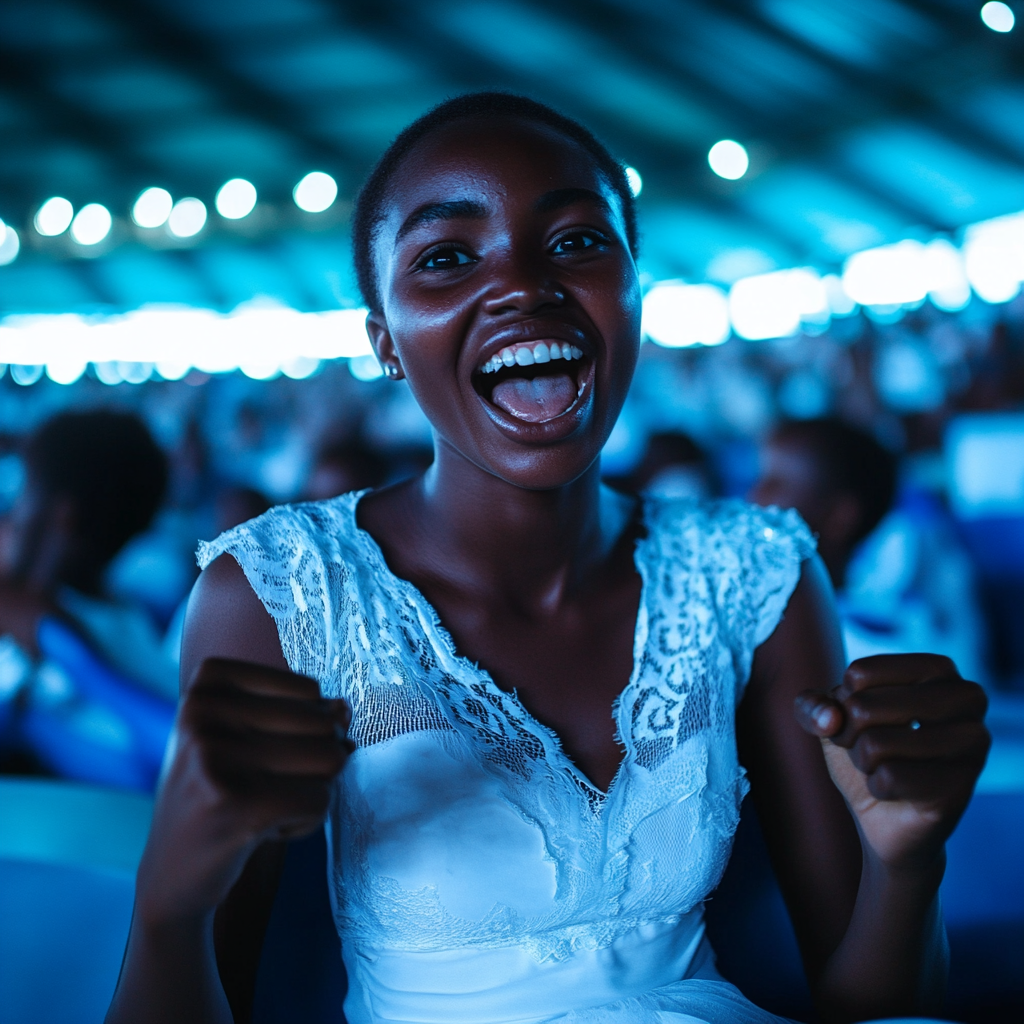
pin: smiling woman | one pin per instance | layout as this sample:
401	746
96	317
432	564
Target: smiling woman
528	804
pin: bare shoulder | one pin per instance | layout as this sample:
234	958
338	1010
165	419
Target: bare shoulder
806	649
225	619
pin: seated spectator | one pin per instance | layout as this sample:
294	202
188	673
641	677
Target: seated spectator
344	466
897	573
233	505
85	674
672	466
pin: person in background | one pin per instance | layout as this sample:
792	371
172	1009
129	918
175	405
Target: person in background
343	466
673	466
901	582
839	478
233	505
89	690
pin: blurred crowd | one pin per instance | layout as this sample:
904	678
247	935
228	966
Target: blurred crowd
106	491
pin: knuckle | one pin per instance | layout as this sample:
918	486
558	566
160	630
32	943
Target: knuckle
858	708
870	746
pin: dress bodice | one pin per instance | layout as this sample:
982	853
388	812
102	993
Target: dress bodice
477	875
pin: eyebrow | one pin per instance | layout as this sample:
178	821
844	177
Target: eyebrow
454	210
561	197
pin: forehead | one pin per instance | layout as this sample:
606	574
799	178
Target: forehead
497	162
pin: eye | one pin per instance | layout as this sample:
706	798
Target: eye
576	242
445	259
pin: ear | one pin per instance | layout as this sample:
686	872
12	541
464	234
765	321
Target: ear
384	346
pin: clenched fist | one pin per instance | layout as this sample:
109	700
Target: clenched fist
905	741
257	751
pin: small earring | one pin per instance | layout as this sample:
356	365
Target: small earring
390	371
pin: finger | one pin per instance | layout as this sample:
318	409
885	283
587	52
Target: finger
316	757
261	679
241	711
895	670
929	703
956	741
818	714
944	783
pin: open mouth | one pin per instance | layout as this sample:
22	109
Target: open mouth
534	381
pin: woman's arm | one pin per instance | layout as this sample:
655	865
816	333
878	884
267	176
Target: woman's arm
856	823
256	754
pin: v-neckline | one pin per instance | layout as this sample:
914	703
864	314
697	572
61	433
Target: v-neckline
414	595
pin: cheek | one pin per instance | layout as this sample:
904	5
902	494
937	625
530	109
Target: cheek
616	310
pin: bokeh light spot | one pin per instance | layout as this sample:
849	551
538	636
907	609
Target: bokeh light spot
54	216
728	159
188	217
316	192
92	224
998	16
236	199
152	208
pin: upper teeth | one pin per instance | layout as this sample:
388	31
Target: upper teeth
527	355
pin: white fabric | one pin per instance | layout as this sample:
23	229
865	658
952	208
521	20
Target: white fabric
477	876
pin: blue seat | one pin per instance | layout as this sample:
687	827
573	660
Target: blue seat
68	856
982	898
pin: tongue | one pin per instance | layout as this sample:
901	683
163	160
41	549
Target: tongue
537	400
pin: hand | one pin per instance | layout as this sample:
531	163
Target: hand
258	749
904	741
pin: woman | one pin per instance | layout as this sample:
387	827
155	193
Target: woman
541	791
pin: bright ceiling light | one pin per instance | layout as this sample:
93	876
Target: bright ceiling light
10	243
92	224
152	208
994	257
54	216
636	183
365	368
776	305
888	275
678	315
998	17
728	159
839	303
236	199
316	192
948	287
187	218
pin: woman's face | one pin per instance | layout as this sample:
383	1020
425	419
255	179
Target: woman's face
509	297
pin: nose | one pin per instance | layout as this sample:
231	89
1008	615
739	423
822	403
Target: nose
525	288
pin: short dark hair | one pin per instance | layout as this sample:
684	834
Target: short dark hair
851	461
108	464
374	192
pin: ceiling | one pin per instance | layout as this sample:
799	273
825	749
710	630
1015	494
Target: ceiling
866	121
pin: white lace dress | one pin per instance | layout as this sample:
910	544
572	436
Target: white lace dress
477	877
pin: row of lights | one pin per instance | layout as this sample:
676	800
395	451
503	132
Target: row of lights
260	338
886	280
156	208
264	340
316	192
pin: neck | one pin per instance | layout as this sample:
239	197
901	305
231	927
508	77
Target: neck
474	530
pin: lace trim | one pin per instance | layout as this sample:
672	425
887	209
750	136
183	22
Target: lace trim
715	580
